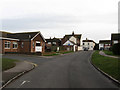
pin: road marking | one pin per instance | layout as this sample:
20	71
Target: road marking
31	63
24	82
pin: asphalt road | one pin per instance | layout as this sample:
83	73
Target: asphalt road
72	70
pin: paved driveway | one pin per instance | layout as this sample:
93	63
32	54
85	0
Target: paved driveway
66	71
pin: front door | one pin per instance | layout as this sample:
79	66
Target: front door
38	47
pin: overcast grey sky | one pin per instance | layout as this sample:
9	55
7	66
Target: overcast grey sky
94	19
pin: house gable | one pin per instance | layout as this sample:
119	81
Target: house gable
40	35
73	39
68	43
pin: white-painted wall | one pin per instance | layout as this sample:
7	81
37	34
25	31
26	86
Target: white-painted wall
80	48
73	39
90	46
68	43
101	46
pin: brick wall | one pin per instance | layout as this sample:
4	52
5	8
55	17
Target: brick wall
11	49
42	43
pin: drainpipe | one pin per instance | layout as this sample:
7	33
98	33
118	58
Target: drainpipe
29	43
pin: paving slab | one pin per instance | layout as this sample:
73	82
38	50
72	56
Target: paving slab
102	53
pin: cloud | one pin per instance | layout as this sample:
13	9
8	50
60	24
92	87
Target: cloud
60	17
56	21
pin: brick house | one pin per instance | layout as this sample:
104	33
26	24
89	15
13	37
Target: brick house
104	44
115	38
28	42
88	44
71	42
52	44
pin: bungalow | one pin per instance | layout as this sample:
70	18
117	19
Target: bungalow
27	42
104	44
88	44
53	44
71	42
115	38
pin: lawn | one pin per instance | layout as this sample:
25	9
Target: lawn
8	63
109	65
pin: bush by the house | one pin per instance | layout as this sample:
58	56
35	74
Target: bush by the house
116	49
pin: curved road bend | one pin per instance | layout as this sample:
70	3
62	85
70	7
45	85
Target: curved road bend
72	70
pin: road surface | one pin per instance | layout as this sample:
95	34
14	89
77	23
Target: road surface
72	70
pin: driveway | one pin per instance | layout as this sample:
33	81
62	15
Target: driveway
72	70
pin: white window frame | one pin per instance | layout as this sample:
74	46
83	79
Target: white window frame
115	41
37	43
15	43
54	43
49	42
22	44
7	42
33	44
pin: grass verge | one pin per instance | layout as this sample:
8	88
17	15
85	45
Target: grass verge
56	53
50	54
109	65
8	63
65	52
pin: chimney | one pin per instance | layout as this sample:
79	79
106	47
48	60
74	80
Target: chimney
73	33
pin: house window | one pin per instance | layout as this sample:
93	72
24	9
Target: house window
101	45
83	43
115	42
106	44
88	43
15	45
22	45
33	44
54	43
7	44
49	42
37	43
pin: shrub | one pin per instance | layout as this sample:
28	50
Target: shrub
116	49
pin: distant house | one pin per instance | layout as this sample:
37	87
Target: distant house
53	44
27	42
88	44
115	38
71	42
104	44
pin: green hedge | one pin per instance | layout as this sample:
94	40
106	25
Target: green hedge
116	49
